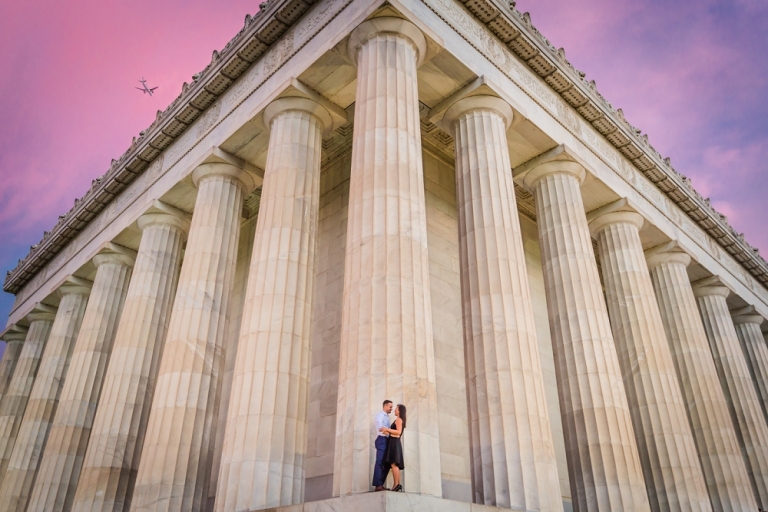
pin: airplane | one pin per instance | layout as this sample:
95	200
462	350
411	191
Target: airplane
144	87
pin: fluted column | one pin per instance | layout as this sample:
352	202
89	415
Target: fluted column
112	458
738	387
513	457
755	352
671	466
174	472
386	340
716	442
14	401
44	397
13	342
262	461
56	481
603	460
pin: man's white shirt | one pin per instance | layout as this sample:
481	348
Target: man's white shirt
382	420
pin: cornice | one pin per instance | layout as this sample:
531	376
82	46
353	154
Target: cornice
274	18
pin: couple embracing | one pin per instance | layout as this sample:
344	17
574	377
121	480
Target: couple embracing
389	448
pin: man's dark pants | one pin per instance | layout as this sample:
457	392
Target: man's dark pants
380	470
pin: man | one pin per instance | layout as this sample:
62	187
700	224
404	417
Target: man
381	470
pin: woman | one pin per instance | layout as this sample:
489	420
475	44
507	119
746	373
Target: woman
394	453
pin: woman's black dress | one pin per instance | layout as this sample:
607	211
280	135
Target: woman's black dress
394	453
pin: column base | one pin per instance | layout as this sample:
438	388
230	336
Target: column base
387	502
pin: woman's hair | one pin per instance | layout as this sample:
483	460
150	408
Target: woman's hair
401	410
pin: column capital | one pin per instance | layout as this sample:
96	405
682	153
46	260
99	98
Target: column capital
746	315
298	96
480	87
484	102
710	286
622	217
301	104
161	213
554	167
75	286
217	162
747	319
668	252
391	25
113	253
15	336
42	312
13	328
654	260
206	170
560	159
166	219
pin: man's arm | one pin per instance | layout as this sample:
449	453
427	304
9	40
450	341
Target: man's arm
382	421
394	431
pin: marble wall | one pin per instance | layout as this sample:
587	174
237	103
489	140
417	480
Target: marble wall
443	238
326	332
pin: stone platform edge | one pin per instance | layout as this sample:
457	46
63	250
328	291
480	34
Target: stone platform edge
386	502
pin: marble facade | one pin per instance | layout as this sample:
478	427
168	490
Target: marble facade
418	200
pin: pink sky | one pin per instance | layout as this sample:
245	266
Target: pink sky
693	75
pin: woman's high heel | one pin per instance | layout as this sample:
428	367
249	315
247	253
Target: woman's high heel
398	488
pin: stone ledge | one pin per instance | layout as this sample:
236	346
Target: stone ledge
386	502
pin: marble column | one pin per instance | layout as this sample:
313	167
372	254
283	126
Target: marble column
44	397
671	466
262	462
513	457
56	481
738	387
716	442
112	458
755	349
603	460
14	401
174	472
13	342
386	340
242	267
